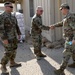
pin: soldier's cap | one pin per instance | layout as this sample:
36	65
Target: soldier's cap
7	3
64	5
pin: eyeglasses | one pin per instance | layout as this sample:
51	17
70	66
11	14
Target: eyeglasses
10	6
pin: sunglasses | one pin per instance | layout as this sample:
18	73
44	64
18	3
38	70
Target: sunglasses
10	6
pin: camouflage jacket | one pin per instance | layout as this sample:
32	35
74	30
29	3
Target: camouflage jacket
8	26
68	24
37	25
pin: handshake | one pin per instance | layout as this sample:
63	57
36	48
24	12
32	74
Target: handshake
52	26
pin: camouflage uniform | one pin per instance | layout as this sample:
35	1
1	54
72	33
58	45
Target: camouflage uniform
8	31
36	30
68	32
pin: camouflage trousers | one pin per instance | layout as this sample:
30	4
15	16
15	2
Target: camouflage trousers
37	42
10	51
67	53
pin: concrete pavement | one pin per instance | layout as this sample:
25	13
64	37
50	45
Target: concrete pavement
30	66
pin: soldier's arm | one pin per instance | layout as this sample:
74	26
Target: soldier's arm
71	22
68	21
3	33
37	22
17	28
59	24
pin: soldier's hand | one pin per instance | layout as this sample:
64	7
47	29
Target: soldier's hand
52	27
73	42
5	41
19	36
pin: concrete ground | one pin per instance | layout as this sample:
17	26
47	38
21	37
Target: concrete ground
30	66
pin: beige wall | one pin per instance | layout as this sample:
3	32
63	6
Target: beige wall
1	8
25	6
50	16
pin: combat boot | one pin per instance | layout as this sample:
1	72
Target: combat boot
4	70
72	65
41	55
59	72
14	64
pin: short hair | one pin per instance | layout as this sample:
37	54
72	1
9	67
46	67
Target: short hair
7	3
39	7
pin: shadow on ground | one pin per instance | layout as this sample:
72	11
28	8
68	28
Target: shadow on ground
46	67
57	55
14	71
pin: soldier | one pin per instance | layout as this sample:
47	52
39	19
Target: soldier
68	24
36	30
8	31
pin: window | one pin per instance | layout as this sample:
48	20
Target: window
31	7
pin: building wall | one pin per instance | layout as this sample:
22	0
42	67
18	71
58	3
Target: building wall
25	7
50	16
2	8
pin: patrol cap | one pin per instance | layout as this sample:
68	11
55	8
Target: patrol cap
64	5
7	3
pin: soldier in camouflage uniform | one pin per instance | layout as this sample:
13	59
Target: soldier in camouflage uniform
8	31
68	24
36	30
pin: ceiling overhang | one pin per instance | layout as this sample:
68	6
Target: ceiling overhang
2	1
